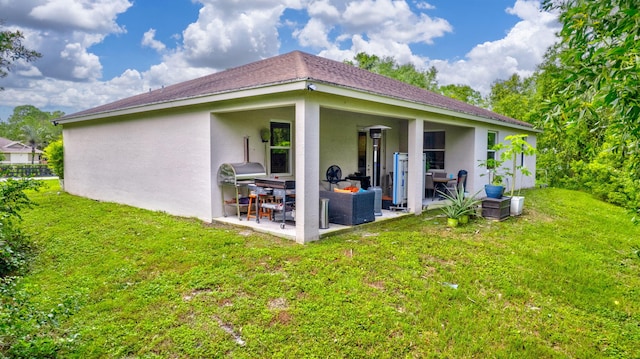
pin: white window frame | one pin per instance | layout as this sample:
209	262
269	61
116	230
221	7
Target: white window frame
489	149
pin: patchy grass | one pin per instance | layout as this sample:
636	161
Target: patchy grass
560	281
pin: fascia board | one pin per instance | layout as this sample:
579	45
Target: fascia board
416	106
193	101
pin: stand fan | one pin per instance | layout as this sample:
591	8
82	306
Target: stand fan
334	175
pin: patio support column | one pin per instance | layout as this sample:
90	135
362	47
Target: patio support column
415	178
307	161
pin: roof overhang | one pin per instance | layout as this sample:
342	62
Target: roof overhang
411	109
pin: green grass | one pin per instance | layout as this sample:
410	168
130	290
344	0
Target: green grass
560	281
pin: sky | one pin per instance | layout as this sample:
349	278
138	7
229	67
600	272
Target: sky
98	51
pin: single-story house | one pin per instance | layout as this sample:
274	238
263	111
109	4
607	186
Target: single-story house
15	152
162	150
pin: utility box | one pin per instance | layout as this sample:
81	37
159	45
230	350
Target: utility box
496	208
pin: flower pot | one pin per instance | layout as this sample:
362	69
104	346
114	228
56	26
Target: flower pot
517	204
464	219
452	222
493	191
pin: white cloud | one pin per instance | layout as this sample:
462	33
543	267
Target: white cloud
381	27
227	34
315	34
96	15
148	39
231	33
63	31
84	65
424	5
324	10
392	20
520	51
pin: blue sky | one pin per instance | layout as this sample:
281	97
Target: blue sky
98	51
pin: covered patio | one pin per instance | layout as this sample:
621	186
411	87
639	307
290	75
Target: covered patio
344	139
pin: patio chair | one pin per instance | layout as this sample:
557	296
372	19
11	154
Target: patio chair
429	185
460	184
462	180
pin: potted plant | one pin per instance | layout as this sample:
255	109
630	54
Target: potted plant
516	146
459	207
495	187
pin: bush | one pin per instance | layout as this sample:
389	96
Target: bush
25	332
13	244
55	157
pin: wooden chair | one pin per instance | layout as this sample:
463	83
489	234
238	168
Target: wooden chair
262	212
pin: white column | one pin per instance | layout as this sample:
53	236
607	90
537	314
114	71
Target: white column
307	155
415	188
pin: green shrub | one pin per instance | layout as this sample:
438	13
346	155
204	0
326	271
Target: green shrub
55	157
13	244
24	330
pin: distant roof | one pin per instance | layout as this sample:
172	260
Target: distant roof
291	67
11	146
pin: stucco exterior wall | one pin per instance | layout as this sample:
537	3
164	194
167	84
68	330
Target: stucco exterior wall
339	141
18	158
161	163
481	153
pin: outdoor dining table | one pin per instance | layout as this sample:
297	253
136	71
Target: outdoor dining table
440	183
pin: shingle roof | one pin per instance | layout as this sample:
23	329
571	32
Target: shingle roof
11	146
291	67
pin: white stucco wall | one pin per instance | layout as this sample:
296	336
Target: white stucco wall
481	153
18	158
161	163
339	141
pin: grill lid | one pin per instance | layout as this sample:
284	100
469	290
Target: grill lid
233	172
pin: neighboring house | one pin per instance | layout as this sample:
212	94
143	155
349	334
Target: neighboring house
15	152
161	150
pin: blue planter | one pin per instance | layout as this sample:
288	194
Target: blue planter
493	191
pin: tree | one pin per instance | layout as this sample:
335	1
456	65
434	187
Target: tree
12	50
599	60
33	136
463	93
407	73
31	116
590	100
513	97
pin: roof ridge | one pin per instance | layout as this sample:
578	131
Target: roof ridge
301	64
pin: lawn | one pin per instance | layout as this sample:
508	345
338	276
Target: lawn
560	281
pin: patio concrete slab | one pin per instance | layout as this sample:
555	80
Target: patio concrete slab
289	231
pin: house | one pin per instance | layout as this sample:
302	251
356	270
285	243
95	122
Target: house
161	150
15	152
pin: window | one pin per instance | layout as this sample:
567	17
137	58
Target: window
280	147
492	140
434	148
